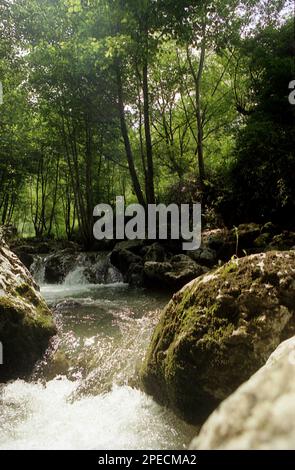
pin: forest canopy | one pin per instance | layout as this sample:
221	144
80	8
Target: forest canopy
155	100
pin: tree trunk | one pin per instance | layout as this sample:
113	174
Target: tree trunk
200	151
54	199
149	147
197	76
128	150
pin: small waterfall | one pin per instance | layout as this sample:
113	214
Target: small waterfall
104	271
94	268
76	269
38	269
76	277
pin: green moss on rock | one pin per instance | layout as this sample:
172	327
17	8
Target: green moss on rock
26	323
218	330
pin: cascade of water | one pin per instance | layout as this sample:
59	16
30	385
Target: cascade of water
38	269
105	272
85	268
82	398
76	277
94	268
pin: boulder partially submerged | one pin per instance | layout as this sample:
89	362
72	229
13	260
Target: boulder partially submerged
261	413
26	323
218	330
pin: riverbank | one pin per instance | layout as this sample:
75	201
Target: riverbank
147	263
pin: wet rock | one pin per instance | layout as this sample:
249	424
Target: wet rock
26	323
135	275
122	259
283	241
134	246
247	233
25	257
204	256
157	272
155	252
43	248
174	273
23	248
239	241
218	330
36	246
58	265
221	242
262	241
261	413
214	239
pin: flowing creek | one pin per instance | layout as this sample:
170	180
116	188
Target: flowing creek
84	399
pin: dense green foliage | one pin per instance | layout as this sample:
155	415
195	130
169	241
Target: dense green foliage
159	101
263	176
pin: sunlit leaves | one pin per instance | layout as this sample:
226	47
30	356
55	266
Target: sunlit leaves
74	6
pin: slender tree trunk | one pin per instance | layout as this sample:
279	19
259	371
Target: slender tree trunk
74	167
140	129
69	213
147	127
200	149
5	208
89	182
198	76
74	183
13	200
36	220
125	135
54	200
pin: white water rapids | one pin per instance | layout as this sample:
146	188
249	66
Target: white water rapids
85	401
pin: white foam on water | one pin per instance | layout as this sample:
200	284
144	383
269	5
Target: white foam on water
37	417
54	292
76	277
65	414
38	269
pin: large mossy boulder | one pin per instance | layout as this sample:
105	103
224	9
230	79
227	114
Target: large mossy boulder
261	413
218	330
26	323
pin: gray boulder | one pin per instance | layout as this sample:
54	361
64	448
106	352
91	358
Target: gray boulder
155	252
204	256
175	273
261	413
